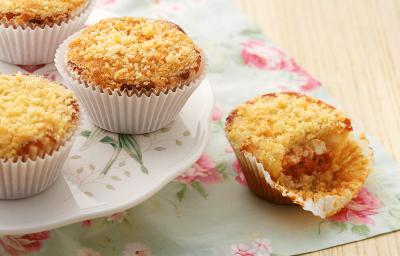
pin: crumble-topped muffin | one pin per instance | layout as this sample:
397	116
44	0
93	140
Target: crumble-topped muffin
266	126
38	12
134	54
36	116
306	146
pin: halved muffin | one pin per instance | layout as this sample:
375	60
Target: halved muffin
294	148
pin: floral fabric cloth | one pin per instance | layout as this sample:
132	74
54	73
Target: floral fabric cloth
209	210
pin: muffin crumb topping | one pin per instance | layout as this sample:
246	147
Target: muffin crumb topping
38	12
34	112
134	54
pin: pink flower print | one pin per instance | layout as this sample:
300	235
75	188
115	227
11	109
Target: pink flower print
175	7
283	88
87	252
242	250
169	9
136	249
31	68
359	210
239	173
50	76
117	217
23	245
87	223
216	114
198	2
262	245
229	149
256	53
105	2
204	171
310	83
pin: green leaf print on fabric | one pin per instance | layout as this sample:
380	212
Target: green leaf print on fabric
181	193
203	172
222	169
339	226
199	188
362	230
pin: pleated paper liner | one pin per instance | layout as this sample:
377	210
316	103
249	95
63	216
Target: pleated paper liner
38	45
129	113
356	154
256	181
21	178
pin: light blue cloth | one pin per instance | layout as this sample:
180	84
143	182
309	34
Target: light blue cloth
208	211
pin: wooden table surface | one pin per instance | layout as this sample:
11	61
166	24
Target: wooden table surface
353	48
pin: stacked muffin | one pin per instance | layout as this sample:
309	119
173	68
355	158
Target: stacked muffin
38	120
296	149
29	25
132	75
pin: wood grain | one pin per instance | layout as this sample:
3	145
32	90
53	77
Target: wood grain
353	48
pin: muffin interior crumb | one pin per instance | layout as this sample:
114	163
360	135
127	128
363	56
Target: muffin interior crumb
346	171
313	157
134	54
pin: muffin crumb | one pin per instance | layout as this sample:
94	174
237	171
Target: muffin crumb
134	54
38	12
35	115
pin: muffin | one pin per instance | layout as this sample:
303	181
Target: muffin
35	13
26	26
297	149
132	75
37	121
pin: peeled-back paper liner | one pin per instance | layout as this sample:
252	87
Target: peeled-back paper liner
21	179
257	182
32	46
323	207
122	113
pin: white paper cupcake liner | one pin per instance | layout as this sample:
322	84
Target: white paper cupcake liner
117	112
32	46
263	185
20	179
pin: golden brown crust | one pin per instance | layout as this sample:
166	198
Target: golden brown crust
37	116
233	114
38	12
134	54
